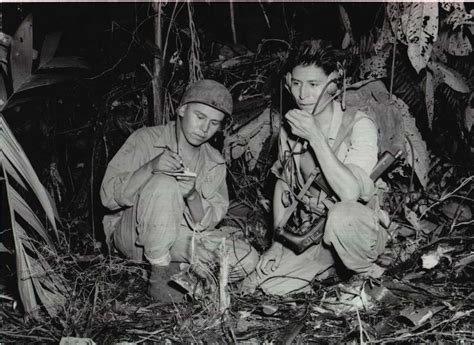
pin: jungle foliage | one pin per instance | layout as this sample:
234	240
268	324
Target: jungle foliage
70	115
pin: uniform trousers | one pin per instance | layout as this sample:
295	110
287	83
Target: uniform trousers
352	235
155	227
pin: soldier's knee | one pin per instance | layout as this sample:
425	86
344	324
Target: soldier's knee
340	221
247	260
251	260
160	185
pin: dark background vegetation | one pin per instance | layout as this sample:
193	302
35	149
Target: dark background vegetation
70	132
76	124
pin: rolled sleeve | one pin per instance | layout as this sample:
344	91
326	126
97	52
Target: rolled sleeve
362	155
113	191
366	185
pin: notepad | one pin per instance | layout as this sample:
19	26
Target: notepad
185	173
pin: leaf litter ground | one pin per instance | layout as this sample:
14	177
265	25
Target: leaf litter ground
409	303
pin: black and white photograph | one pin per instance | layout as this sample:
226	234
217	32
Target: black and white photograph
236	172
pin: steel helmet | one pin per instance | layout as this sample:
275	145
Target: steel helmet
211	93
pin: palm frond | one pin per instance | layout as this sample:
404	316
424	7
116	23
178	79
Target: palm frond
32	215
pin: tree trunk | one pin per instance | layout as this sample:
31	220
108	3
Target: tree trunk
158	118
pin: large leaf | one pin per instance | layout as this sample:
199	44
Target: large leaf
459	44
422	32
40	87
469	113
438	53
416	25
417	152
12	150
444	74
39	80
52	70
5	41
22	208
429	97
3	91
374	67
49	47
349	37
39	285
449	5
459	17
65	62
399	18
21	54
385	37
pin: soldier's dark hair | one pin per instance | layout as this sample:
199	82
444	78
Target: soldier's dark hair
316	52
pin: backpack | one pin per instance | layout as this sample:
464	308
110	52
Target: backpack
374	101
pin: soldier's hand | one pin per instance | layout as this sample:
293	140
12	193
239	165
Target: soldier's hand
270	260
303	124
167	161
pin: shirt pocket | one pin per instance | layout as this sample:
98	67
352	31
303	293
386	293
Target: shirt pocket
207	185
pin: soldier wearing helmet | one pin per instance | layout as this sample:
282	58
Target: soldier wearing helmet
166	187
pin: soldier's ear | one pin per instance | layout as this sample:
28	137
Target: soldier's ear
181	110
288	81
332	88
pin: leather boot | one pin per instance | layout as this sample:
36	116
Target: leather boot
158	285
